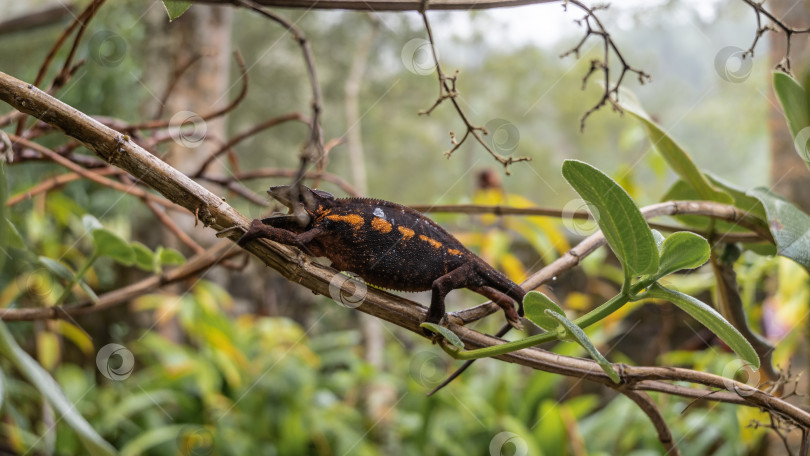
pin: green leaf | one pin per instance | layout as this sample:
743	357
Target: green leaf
675	156
789	226
794	100
109	244
659	239
576	334
709	318
618	217
535	305
170	257
57	268
88	291
91	223
682	250
176	8
12	236
450	336
154	437
144	257
47	386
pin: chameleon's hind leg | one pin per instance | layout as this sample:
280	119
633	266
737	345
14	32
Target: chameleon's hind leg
461	277
504	302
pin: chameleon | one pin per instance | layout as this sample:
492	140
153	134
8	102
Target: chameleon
388	245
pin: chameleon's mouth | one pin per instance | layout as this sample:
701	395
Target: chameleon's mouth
281	193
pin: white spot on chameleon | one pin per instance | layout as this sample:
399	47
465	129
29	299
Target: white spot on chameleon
378	212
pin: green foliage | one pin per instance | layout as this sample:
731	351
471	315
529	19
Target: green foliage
535	305
448	335
618	217
176	8
789	226
795	103
93	443
682	250
677	158
711	319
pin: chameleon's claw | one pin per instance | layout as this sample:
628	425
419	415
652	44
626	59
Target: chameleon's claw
514	319
254	232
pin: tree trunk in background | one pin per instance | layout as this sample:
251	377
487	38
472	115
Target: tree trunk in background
789	174
196	46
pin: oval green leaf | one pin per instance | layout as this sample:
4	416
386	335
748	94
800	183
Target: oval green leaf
794	100
709	318
682	250
535	304
170	257
57	268
88	291
675	156
576	334
789	226
109	244
450	336
618	217
144	257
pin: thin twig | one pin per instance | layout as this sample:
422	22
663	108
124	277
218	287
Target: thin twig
759	11
447	91
91	175
313	151
593	27
156	124
269	123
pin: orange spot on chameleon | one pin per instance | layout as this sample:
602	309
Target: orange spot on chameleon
433	242
383	226
407	233
354	220
454	252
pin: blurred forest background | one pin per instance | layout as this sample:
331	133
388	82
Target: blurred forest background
243	361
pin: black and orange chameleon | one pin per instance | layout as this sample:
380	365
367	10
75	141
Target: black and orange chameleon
389	246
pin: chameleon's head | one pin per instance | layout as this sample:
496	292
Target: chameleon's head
283	194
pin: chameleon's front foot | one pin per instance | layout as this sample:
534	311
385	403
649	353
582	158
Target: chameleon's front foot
254	232
225	232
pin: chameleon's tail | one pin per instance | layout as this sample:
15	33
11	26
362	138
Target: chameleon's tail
501	332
